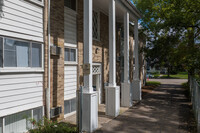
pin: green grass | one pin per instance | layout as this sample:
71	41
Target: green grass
152	83
156	75
181	75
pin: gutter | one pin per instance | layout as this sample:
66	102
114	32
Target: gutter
49	66
132	8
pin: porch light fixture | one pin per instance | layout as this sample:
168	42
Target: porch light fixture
96	51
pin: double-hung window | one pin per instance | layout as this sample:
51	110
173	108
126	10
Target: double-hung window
20	54
70	55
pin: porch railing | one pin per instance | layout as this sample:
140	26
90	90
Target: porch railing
195	99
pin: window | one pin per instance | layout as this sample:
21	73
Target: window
37	114
19	122
70	55
36	55
96	26
17	53
1	52
71	4
69	106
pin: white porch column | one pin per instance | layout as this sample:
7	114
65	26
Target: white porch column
112	91
126	100
90	105
136	85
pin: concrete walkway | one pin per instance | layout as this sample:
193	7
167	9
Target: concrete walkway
163	110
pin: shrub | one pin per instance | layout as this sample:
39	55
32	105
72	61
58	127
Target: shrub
48	126
152	83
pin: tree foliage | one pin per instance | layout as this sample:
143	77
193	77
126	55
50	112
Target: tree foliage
173	28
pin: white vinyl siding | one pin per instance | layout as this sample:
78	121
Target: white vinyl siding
22	19
70	84
70	25
19	92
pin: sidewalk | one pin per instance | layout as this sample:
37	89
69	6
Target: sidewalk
164	110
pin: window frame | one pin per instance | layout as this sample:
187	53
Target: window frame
98	28
76	56
23	69
73	112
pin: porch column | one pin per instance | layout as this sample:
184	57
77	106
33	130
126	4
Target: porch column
90	105
126	100
136	85
112	91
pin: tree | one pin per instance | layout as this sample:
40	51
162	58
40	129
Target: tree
173	26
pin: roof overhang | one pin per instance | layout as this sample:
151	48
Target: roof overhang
122	6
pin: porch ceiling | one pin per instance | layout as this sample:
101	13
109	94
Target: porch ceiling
103	6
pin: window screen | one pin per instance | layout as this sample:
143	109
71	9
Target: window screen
67	54
18	123
37	114
73	105
69	106
71	4
36	55
1	52
16	53
70	55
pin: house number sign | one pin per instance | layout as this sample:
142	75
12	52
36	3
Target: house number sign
86	69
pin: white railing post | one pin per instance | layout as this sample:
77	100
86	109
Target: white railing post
126	99
112	91
136	85
90	108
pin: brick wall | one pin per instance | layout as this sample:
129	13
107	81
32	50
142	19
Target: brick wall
57	62
100	48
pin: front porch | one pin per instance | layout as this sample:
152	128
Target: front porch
102	117
104	44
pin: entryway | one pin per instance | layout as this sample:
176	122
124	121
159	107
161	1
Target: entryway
97	82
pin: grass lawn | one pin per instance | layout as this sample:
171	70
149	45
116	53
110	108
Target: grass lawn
156	75
181	75
152	83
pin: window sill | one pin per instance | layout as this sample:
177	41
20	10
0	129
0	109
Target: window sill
71	63
21	70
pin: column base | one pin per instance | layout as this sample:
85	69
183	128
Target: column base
112	101
90	112
126	100
137	90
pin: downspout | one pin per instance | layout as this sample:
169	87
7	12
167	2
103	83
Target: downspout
49	67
